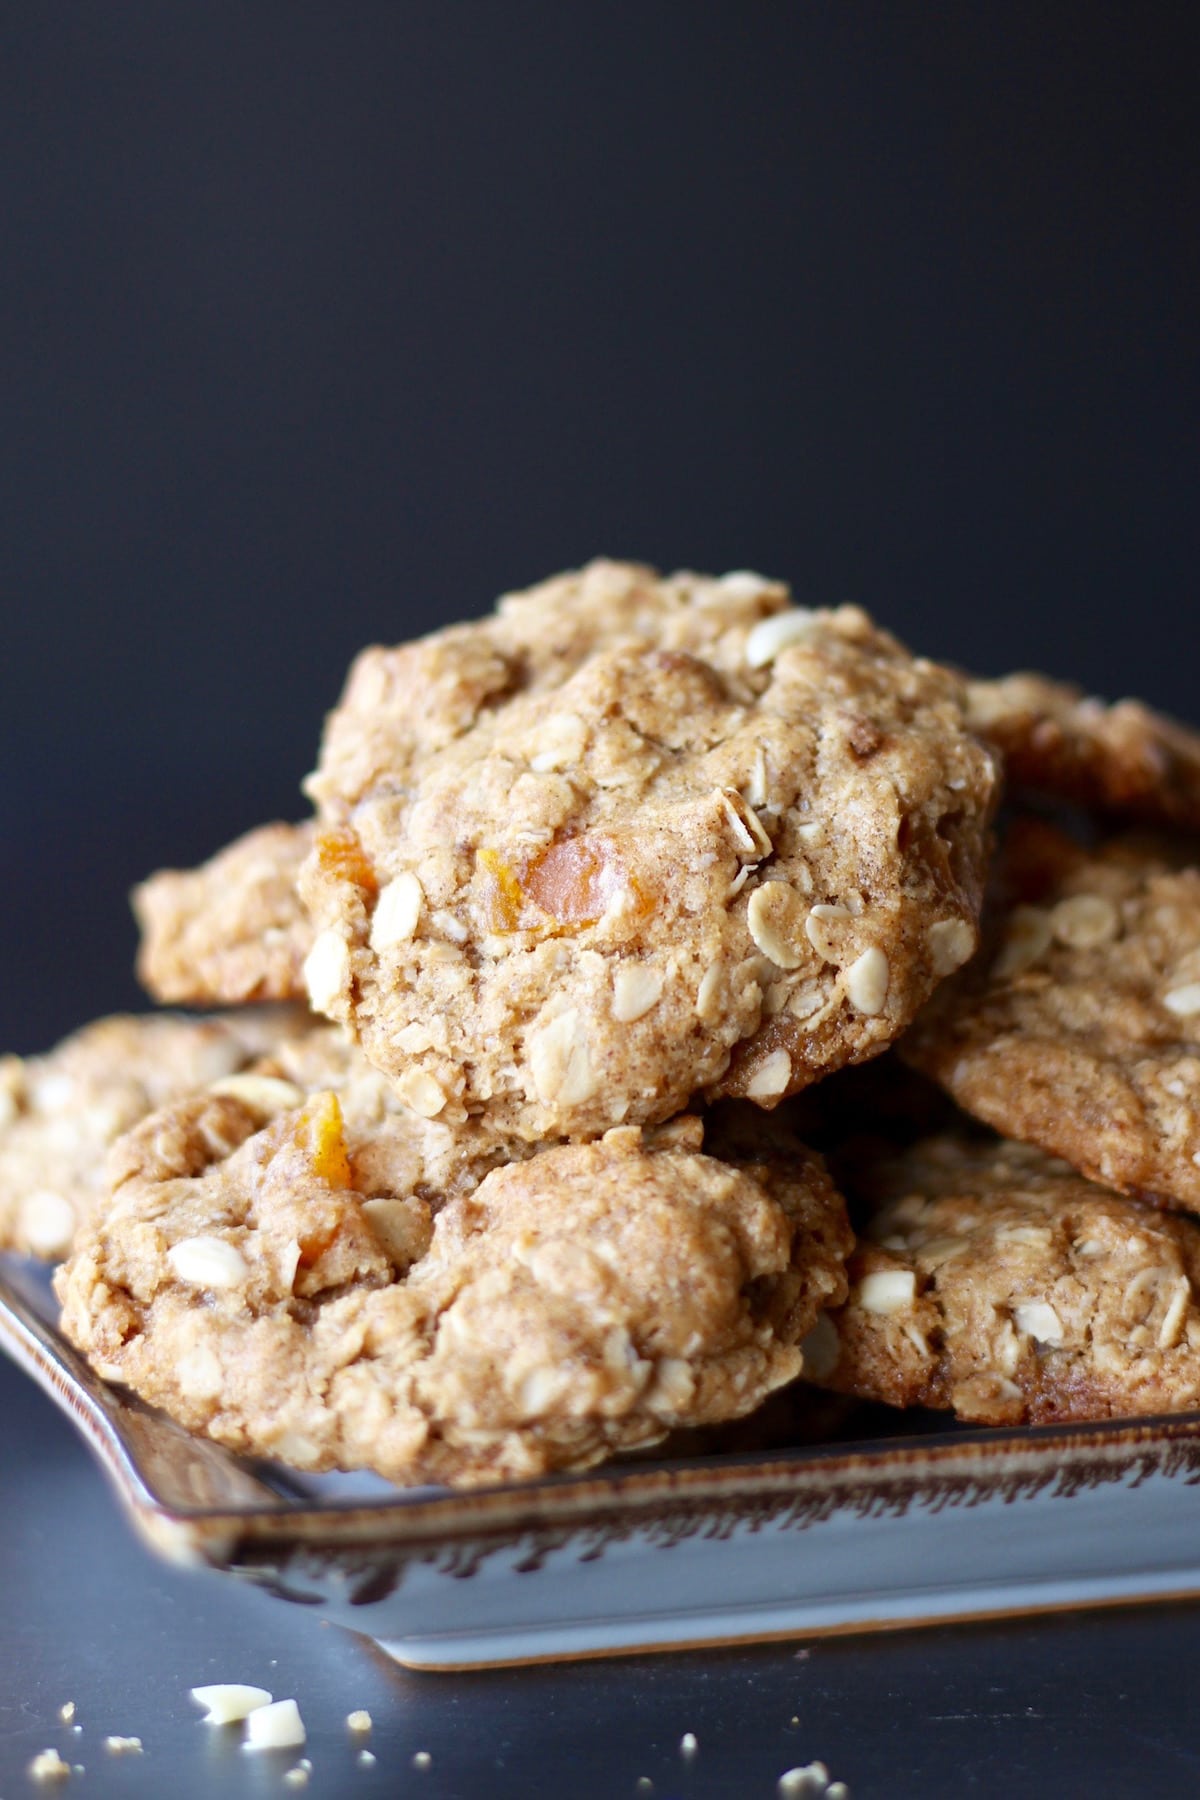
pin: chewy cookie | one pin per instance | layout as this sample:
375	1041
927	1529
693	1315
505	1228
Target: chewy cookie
1079	1029
585	1301
230	931
566	890
1122	758
60	1112
996	1283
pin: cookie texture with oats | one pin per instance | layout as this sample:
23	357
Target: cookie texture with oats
1079	1029
1122	758
586	1301
59	1113
232	930
632	838
995	1282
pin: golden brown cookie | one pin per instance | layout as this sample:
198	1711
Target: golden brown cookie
230	931
995	1282
1079	1028
1122	758
60	1112
585	1301
564	887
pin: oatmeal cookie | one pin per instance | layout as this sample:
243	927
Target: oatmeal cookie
230	931
995	1282
732	849
1079	1029
60	1112
1121	758
583	1302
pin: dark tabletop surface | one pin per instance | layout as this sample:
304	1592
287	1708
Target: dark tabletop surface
1099	1704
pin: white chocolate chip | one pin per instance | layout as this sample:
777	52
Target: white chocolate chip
560	1063
123	1746
1028	936
1039	1319
770	636
397	911
208	1262
951	943
820	1349
66	1712
688	1744
887	1291
776	917
46	1222
636	989
274	1727
561	743
296	1777
867	981
540	1392
1085	921
771	1077
402	1228
264	1095
422	1760
673	1386
420	1091
327	971
744	584
450	927
807	1000
229	1701
1183	1001
824	927
1035	1236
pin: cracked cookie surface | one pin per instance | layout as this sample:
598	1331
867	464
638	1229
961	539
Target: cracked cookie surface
60	1112
995	1282
633	838
1078	1029
585	1301
232	930
1122	757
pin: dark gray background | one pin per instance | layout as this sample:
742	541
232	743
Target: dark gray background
325	324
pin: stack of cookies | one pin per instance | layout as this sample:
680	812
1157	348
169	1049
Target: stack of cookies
549	1106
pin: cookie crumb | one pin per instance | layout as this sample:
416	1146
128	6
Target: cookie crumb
810	1783
359	1720
688	1744
123	1746
47	1766
645	1785
422	1760
274	1727
366	1759
296	1777
66	1712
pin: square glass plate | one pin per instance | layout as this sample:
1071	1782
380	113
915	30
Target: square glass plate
942	1524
